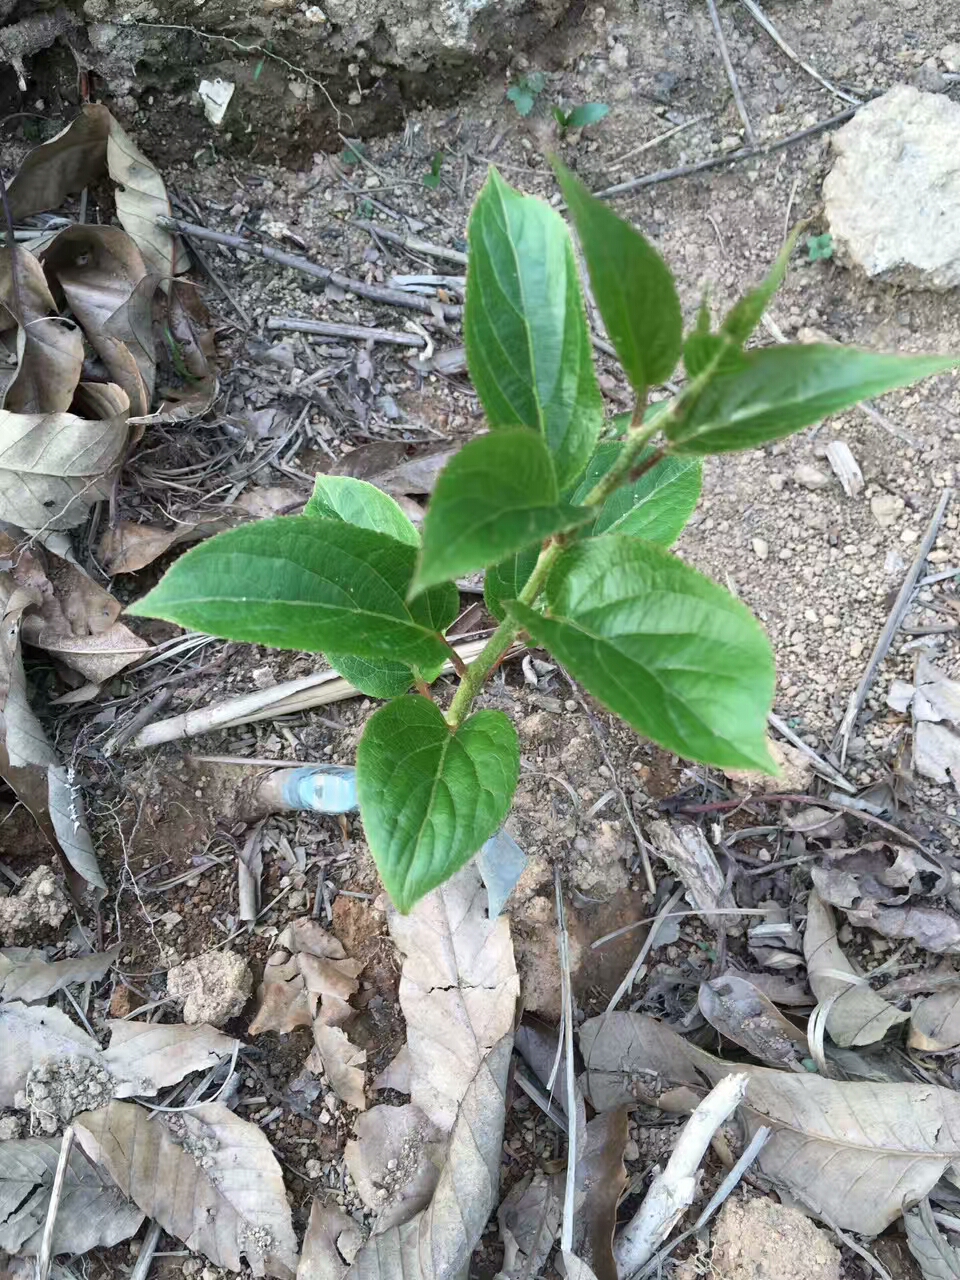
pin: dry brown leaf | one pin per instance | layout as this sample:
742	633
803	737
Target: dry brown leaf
49	349
403	1137
342	1062
282	1002
935	1022
191	332
396	1074
858	1015
629	1061
854	1152
211	1181
601	1178
27	761
735	1007
313	970
529	1217
27	975
440	1240
144	1057
104	279
934	928
936	1257
32	1035
575	1268
330	1244
127	547
458	990
92	1213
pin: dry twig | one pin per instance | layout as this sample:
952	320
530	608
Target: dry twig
412	243
731	73
45	1256
763	21
359	332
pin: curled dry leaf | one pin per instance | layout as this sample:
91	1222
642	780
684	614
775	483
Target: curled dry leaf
312	977
529	1217
92	1212
935	1022
105	281
144	1057
32	1035
686	852
127	547
440	1239
937	1258
330	1244
281	997
209	1178
858	1015
91	145
854	1152
934	928
49	349
735	1007
601	1180
27	761
27	975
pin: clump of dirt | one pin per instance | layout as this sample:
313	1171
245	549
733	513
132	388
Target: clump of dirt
761	1240
214	987
55	1092
40	903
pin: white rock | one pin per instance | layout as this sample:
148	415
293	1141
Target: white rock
893	194
619	57
761	548
810	477
950	57
214	986
845	467
886	508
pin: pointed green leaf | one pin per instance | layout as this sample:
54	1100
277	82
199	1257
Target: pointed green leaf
665	648
300	582
496	496
746	314
505	581
586	114
632	285
778	390
429	797
360	503
656	507
528	345
383	679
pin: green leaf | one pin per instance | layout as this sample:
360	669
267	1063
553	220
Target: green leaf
665	648
505	581
376	679
496	496
528	345
632	285
522	99
778	390
746	314
360	503
587	114
561	117
429	797
300	582
820	247
656	507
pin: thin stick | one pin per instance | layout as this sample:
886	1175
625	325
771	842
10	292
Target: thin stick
644	951
822	766
715	162
654	142
857	700
139	721
570	1105
761	18
412	243
45	1256
375	292
359	332
148	1248
731	73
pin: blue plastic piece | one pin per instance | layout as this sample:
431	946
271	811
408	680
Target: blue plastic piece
330	788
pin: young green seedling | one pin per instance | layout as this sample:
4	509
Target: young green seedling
580	117
569	517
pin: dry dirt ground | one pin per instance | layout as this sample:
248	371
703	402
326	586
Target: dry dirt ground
814	564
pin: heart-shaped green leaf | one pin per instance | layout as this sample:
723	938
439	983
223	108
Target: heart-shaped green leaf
496	496
300	582
778	390
382	679
360	503
656	507
632	285
665	648
525	328
429	796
